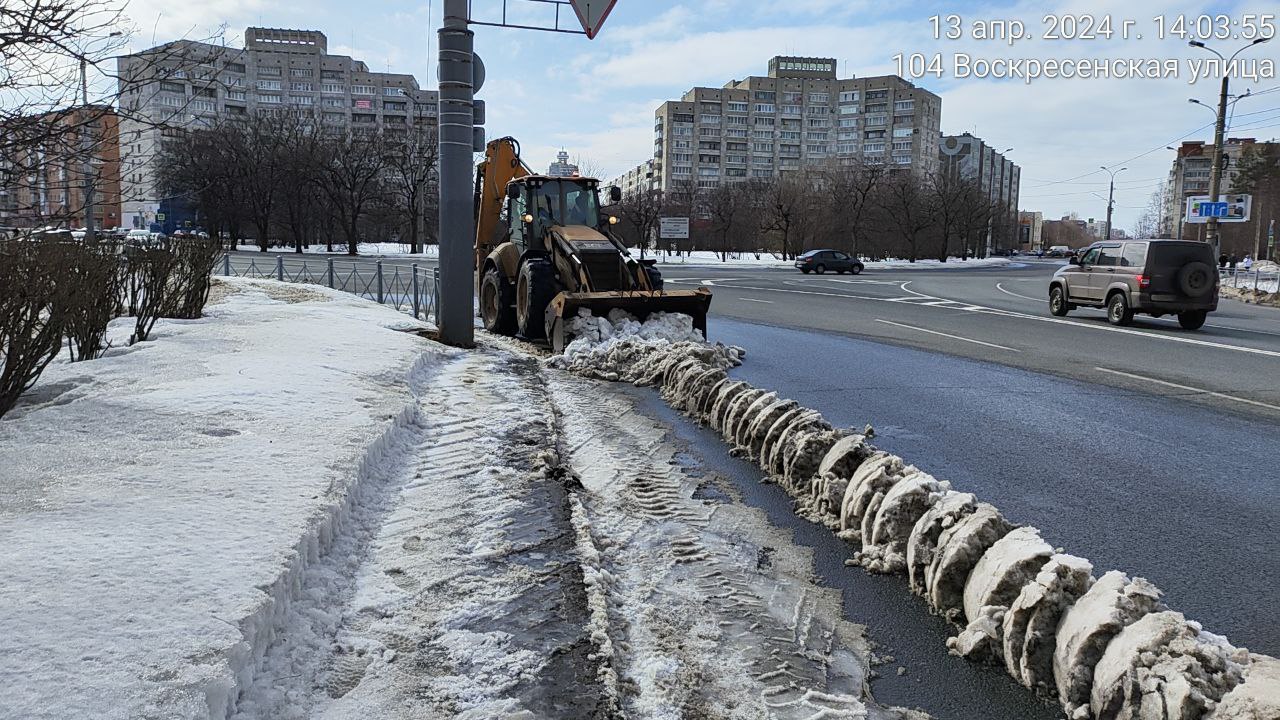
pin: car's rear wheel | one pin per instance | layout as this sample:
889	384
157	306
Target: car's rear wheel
1192	319
1118	310
1057	302
857	269
820	269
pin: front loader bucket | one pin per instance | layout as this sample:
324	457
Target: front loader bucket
640	303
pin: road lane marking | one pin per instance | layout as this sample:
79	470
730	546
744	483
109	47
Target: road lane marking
947	335
1000	287
766	302
1188	388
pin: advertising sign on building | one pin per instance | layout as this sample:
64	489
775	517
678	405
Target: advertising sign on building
1231	208
364	104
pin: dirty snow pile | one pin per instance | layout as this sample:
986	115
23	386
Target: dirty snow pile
620	347
1103	647
159	505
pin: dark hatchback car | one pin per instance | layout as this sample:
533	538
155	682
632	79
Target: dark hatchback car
820	261
1153	277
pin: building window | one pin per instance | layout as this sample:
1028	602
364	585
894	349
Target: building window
763	147
792	97
765	95
848	109
709	119
363	119
268	85
709	132
850	96
333	88
736	120
764	108
678	130
816	136
235	95
791	110
818	110
764	121
362	90
682	118
333	102
873	147
393	91
709	159
268	98
789	135
848	122
903	132
877	94
331	75
902	146
234	67
173	87
709	171
819	123
300	87
333	117
300	72
847	148
738	107
904	106
819	98
268	71
710	107
301	99
170	101
902	159
877	121
394	106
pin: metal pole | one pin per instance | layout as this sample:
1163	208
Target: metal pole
87	148
1215	172
1111	201
379	282
457	220
226	265
415	291
330	273
280	268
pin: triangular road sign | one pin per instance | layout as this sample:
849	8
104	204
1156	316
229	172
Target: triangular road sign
592	14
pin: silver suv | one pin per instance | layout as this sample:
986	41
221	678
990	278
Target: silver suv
1155	277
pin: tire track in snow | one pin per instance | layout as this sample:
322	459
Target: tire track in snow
469	599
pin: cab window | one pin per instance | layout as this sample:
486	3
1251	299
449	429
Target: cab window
516	219
1109	256
1090	257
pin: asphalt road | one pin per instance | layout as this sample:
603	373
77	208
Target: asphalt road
1001	316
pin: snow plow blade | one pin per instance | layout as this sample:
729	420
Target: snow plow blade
640	303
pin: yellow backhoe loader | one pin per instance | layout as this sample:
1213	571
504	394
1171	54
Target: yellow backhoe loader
544	249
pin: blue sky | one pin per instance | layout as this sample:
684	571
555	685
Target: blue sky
596	97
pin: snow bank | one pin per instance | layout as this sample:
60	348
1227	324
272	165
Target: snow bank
160	504
340	248
1018	601
619	347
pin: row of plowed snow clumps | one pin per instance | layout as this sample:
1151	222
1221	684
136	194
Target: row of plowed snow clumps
1104	647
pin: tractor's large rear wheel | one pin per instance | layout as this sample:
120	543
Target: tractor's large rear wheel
496	304
535	289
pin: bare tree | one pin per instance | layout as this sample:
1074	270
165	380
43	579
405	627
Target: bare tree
724	207
412	161
907	208
787	207
640	212
848	191
351	177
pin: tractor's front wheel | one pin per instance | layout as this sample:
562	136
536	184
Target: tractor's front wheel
535	289
496	304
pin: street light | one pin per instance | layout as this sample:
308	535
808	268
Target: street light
1111	196
1215	172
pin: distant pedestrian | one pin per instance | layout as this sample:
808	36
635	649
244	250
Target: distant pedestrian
1247	263
1222	261
1232	262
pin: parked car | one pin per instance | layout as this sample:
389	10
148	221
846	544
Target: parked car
820	261
1153	277
1056	251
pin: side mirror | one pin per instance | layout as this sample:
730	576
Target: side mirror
513	191
615	194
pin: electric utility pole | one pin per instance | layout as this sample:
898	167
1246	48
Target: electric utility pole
457	214
1111	196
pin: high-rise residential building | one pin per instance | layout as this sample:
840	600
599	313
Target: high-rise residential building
998	177
801	114
1189	175
47	184
640	178
185	84
562	167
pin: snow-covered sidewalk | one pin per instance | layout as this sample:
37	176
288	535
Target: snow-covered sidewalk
157	505
705	258
289	509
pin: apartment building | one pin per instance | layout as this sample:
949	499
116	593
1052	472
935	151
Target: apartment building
47	185
800	115
185	84
999	178
638	179
1190	174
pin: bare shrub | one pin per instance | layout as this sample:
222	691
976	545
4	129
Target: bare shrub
92	281
150	294
31	326
191	276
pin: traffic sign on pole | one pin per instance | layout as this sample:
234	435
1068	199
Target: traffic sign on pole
592	14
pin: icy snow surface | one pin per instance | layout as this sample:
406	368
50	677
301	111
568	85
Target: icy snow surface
158	504
1022	603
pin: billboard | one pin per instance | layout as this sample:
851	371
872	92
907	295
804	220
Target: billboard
673	228
1231	208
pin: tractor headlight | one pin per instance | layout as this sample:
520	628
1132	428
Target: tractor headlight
613	220
527	218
